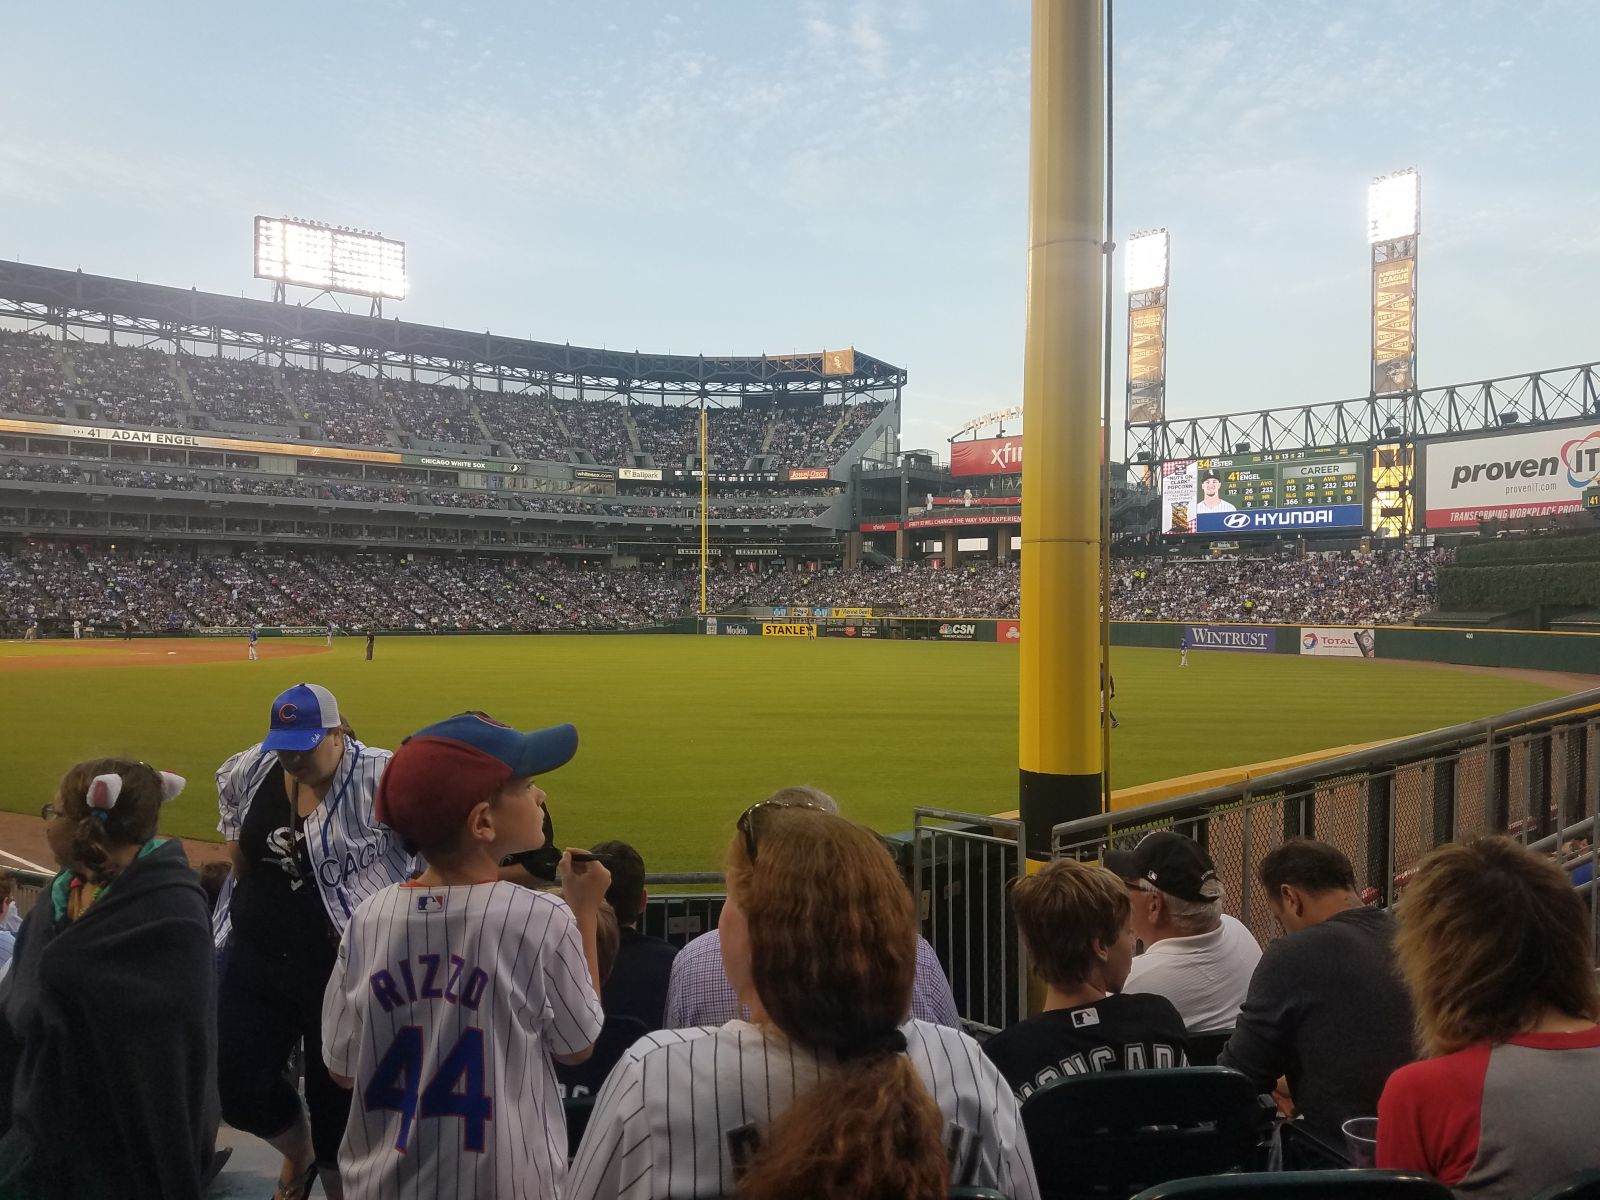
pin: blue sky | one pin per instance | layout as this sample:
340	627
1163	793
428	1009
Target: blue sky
769	177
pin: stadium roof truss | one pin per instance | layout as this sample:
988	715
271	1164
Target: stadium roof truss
186	318
1537	398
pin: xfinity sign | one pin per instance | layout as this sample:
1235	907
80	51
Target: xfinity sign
1268	520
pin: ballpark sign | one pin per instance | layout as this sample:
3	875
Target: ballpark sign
1261	639
1508	476
987	456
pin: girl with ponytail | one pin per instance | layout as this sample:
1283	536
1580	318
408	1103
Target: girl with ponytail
107	1017
828	1090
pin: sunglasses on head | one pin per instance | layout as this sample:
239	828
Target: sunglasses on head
751	820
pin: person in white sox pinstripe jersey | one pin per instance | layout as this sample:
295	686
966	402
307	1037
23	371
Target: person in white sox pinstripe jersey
297	814
828	1090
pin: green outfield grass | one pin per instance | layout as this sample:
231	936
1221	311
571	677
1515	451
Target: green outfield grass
680	733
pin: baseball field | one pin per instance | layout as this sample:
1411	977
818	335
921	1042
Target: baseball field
679	734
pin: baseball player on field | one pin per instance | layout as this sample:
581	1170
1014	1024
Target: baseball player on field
453	992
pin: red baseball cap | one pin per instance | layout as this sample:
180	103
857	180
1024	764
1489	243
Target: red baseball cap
441	772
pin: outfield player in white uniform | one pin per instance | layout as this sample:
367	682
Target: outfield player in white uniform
453	993
828	1082
297	814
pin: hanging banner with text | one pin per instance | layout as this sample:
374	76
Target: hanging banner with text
1394	303
1147	360
1258	638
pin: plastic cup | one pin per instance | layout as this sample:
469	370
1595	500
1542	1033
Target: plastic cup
1361	1141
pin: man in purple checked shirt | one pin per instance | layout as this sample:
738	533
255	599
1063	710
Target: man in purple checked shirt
700	994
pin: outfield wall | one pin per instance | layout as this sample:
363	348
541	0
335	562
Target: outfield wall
1577	653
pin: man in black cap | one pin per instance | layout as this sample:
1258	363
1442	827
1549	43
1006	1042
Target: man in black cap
1194	954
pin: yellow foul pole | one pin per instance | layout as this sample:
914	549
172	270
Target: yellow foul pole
1058	734
705	516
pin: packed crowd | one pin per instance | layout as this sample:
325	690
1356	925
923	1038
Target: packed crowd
475	1013
725	506
138	386
169	590
1381	588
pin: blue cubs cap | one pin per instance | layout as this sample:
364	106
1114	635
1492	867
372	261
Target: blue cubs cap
301	718
442	771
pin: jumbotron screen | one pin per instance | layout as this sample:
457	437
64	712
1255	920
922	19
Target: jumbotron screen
1281	491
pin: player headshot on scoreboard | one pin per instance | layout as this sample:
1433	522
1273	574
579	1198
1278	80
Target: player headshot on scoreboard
1211	500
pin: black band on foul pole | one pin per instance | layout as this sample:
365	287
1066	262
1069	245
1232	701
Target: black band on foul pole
1048	800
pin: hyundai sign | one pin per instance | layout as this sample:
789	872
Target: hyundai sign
1291	491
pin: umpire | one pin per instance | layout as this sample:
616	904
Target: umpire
296	810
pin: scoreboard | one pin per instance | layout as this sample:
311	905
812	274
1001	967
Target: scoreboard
1278	491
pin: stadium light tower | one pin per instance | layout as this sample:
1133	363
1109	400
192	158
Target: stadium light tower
1144	272
330	258
1394	208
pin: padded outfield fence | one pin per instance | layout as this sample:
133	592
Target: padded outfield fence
1531	773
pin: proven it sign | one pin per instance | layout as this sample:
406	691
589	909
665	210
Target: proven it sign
1508	476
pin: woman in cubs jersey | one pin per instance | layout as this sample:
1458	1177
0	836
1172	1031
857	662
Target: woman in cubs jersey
297	813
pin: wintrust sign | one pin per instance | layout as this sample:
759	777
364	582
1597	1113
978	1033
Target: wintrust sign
987	456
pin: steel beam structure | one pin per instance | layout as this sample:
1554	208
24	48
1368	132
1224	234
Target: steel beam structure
1536	398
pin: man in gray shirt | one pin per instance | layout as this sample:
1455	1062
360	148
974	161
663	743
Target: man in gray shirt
1326	1008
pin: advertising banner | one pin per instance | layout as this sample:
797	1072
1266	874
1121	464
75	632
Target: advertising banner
801	474
756	552
732	627
1394	294
945	521
1507	476
1008	631
987	456
459	464
1258	638
599	474
958	631
641	474
849	612
969	500
1311	489
1337	642
147	437
773	629
1147	363
879	526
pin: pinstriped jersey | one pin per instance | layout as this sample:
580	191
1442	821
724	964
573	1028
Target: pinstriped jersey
685	1107
352	855
444	1007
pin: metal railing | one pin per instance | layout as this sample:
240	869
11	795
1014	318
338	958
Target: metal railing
961	864
1530	773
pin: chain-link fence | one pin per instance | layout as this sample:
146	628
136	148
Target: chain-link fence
1530	773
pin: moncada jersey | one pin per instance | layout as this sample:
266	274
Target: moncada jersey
444	1007
352	856
685	1107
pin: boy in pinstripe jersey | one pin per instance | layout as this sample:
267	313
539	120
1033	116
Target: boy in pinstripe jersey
453	992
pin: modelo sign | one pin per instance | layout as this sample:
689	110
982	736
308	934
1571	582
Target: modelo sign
1342	642
987	456
1258	638
1508	476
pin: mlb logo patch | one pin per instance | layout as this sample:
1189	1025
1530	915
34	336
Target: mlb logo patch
1084	1017
430	904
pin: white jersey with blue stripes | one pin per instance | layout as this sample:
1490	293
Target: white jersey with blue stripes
352	855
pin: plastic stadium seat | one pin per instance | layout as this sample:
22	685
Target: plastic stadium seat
1205	1047
1311	1185
1585	1185
1112	1133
